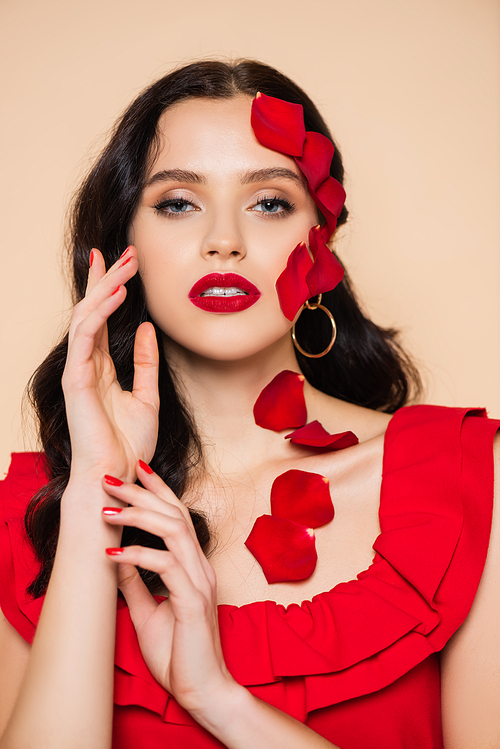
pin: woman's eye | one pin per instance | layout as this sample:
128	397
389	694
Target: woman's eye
174	206
274	206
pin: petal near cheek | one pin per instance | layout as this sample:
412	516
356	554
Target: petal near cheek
292	286
330	199
326	272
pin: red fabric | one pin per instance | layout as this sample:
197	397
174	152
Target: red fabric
358	663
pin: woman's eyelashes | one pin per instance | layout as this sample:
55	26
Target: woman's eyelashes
274	206
269	206
174	207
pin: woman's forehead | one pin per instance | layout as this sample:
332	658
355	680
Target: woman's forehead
201	134
199	109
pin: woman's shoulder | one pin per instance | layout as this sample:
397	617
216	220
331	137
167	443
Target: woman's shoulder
18	563
411	420
26	474
438	463
27	467
470	663
336	415
454	441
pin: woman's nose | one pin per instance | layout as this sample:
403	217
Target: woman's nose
223	239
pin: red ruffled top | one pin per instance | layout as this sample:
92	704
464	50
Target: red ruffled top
357	663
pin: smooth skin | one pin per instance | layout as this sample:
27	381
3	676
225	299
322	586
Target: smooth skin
223	362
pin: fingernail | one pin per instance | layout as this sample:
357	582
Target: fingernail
112	481
113	552
125	262
111	510
125	252
145	467
91	258
115	291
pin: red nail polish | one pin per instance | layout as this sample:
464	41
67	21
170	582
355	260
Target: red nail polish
125	251
112	481
125	262
115	291
145	467
111	510
113	552
91	258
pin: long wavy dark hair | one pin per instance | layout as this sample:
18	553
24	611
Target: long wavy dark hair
366	366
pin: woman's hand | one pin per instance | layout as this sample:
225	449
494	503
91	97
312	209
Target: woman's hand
110	428
179	637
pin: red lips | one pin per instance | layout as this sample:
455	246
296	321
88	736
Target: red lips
224	304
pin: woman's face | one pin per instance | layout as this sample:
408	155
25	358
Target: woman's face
217	220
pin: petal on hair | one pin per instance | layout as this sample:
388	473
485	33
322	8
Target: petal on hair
328	228
281	404
302	497
278	124
291	286
314	435
285	550
326	271
330	199
316	159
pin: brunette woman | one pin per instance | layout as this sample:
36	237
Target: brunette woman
304	562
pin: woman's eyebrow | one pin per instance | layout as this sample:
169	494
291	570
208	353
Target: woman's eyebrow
176	175
258	175
262	175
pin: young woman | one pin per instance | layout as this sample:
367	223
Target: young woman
199	240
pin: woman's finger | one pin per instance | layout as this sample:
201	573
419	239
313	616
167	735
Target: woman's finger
119	273
139	600
158	497
84	333
97	266
167	520
151	481
173	531
155	495
137	496
146	356
97	270
188	602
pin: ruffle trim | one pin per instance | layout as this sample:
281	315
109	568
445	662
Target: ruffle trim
356	638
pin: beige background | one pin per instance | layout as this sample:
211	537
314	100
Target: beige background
410	89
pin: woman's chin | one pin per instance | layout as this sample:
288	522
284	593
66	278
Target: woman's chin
229	348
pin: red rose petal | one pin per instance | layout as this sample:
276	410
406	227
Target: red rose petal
314	435
278	124
285	550
330	223
326	271
316	159
330	199
291	286
281	404
302	497
327	230
332	195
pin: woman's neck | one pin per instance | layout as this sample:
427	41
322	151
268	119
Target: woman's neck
221	396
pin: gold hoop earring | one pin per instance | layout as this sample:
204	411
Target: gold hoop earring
316	305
